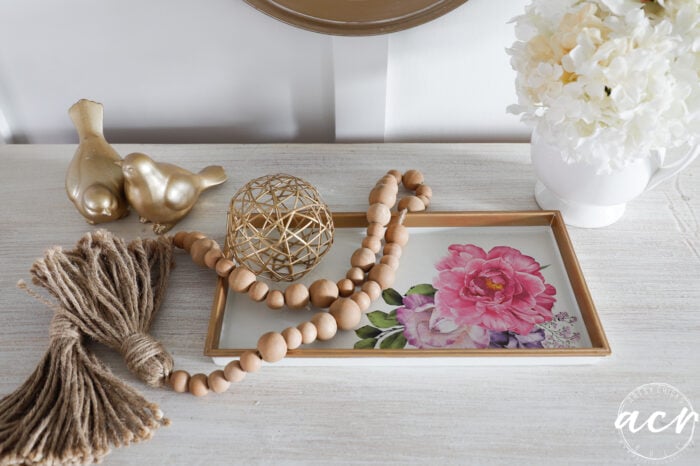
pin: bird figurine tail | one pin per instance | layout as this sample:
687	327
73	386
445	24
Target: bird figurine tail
87	117
211	176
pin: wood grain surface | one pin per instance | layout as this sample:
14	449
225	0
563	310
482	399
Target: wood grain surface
643	274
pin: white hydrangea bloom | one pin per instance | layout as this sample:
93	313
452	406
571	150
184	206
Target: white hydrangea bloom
610	81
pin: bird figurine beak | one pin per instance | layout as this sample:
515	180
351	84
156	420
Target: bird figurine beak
118	163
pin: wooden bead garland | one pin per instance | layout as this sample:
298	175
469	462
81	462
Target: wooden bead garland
344	302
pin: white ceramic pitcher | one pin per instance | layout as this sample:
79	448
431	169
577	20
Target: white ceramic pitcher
589	199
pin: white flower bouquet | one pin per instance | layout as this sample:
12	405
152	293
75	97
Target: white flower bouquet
610	81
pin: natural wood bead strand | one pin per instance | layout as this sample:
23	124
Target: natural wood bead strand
345	304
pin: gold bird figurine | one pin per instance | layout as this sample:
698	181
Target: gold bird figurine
163	193
93	183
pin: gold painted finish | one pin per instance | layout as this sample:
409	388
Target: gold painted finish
94	183
163	193
355	17
599	343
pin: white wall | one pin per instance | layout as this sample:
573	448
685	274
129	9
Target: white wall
220	71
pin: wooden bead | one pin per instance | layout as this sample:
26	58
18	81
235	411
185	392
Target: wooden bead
292	336
223	267
383	194
326	326
179	380
346	313
373	290
218	382
378	213
179	239
296	296
308	332
425	200
323	292
412	179
391	261
191	238
345	287
363	258
397	233
396	174
362	299
275	299
258	291
198	385
234	372
356	275
212	257
424	190
383	274
240	279
250	361
376	229
199	249
393	249
412	203
388	179
373	243
272	347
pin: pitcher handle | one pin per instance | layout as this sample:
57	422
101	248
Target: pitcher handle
666	172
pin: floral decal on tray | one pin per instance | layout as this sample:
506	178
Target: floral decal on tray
478	299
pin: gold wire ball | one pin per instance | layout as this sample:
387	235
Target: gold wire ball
278	227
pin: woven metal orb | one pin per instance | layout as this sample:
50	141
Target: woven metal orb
278	227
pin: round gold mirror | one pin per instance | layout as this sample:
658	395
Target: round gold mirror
355	17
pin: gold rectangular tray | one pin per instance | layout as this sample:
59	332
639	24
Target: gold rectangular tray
541	231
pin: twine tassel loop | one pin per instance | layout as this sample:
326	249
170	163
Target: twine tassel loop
72	409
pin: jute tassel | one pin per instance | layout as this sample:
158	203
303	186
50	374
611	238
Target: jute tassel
72	409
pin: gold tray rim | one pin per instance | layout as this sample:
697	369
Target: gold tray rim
553	218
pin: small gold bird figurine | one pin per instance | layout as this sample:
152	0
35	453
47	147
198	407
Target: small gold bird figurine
93	183
163	193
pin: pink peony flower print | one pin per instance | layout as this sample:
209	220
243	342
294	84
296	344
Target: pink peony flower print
502	290
423	330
